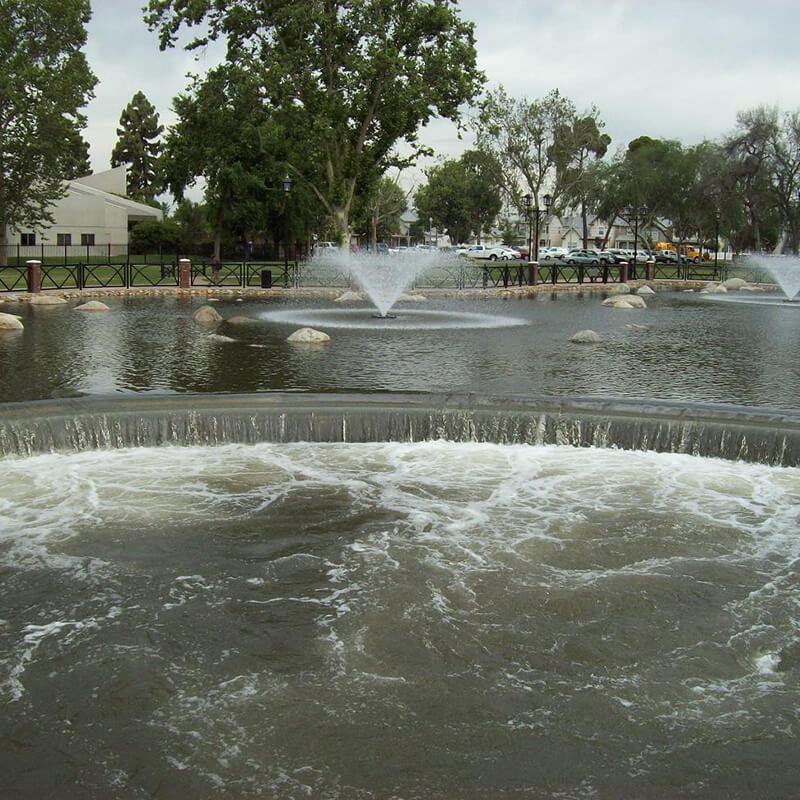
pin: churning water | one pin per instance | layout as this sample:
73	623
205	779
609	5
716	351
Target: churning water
398	620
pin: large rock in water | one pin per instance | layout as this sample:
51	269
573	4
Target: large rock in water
10	322
206	315
625	301
309	335
93	305
47	300
350	297
585	337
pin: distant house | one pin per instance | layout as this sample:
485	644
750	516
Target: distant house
94	212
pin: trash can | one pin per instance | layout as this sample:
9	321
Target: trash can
266	278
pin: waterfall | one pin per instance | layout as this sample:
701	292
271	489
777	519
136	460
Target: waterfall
743	433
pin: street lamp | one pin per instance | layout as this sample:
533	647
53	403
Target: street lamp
547	199
637	212
527	198
716	240
287	187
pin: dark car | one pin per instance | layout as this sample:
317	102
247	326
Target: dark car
667	257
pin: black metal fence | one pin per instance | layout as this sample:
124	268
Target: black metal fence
106	270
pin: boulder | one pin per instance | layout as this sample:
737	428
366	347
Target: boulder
47	300
625	301
218	337
734	284
93	305
10	322
644	290
412	297
309	335
619	288
717	288
9	297
206	315
585	337
350	297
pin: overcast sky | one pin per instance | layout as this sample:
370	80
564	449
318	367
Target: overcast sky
677	69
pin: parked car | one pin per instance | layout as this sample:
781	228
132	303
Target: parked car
607	257
582	257
557	252
667	257
500	253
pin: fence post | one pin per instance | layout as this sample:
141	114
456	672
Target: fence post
533	273
184	273
651	270
623	272
34	276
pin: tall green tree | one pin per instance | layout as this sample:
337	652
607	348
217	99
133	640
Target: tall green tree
44	82
139	146
75	163
577	142
379	213
226	136
462	195
749	148
520	135
348	81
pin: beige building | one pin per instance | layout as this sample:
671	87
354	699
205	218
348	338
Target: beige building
93	212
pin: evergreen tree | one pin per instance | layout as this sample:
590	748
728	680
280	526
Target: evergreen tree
138	146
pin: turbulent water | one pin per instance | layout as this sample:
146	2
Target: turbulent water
430	620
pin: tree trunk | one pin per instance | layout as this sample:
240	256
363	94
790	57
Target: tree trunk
373	231
341	219
3	243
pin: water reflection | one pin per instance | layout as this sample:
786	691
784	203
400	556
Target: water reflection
681	347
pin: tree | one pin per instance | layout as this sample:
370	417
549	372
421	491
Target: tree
520	135
44	82
138	146
380	212
462	196
226	135
749	149
75	162
348	80
576	143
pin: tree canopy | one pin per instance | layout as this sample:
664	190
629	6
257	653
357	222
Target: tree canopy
462	195
347	82
44	82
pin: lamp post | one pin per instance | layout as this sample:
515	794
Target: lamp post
287	187
527	199
636	211
547	199
716	241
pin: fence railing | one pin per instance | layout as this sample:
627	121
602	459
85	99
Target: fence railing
136	272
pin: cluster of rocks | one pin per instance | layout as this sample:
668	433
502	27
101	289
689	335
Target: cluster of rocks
622	298
13	322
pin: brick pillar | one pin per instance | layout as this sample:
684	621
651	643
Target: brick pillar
533	273
184	273
34	276
651	270
623	272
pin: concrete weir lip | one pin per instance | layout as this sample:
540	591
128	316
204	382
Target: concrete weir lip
753	434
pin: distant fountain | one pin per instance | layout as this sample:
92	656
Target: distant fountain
383	277
786	271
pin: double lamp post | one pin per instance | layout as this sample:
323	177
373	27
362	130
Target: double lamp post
532	208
